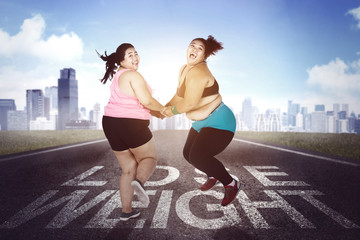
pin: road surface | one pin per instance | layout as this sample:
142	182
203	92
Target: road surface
72	193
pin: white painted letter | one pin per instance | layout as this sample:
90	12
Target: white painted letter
172	176
78	181
261	176
251	210
230	217
308	196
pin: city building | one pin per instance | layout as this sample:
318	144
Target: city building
319	107
261	123
330	122
35	104
5	106
247	113
43	123
68	109
293	110
318	122
80	124
274	122
17	120
97	119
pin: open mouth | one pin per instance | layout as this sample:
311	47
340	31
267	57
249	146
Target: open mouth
193	55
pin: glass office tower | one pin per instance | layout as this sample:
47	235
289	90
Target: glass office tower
67	97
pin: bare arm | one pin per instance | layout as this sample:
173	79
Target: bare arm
142	92
174	100
195	85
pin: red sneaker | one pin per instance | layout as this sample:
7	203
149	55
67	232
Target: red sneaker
208	184
230	193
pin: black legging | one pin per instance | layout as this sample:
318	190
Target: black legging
200	149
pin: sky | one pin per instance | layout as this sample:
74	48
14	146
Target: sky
306	51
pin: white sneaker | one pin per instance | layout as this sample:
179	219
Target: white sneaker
140	192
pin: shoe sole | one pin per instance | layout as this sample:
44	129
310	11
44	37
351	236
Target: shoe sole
140	192
132	216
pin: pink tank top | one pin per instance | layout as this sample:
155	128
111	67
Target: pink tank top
121	105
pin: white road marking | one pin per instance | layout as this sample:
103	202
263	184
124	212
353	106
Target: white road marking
299	153
258	221
171	177
230	217
102	220
261	176
307	195
162	211
78	181
71	209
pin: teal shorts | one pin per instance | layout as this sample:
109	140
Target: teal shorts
221	118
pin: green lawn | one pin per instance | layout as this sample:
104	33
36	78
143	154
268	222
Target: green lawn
344	145
21	141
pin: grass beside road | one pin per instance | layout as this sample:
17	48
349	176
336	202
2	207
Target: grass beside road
22	141
344	145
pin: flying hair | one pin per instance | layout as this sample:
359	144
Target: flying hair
212	46
113	60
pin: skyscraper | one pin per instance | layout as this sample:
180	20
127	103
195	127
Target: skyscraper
17	120
293	110
319	107
345	108
336	108
67	97
52	94
5	106
318	121
247	113
34	104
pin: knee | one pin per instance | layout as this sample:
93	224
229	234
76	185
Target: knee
129	169
196	157
150	157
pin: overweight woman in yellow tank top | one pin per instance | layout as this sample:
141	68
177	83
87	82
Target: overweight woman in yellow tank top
214	123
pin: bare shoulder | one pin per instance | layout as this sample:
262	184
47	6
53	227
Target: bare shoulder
200	71
132	75
182	68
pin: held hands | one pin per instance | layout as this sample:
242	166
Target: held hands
167	112
157	114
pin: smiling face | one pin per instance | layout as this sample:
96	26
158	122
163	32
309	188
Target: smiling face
195	52
131	59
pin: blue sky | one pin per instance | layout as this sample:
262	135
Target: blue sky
306	51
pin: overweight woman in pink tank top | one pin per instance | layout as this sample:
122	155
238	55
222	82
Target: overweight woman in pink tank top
125	124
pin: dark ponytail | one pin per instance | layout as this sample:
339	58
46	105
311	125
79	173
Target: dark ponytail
211	45
113	61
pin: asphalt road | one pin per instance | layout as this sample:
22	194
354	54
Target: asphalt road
72	193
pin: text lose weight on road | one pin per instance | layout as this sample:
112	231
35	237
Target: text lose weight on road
110	200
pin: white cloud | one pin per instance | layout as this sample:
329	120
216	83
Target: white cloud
29	41
335	82
356	14
336	76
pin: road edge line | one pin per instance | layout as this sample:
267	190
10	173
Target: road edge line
299	153
51	150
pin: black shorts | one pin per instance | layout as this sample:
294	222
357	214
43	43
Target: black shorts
125	133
